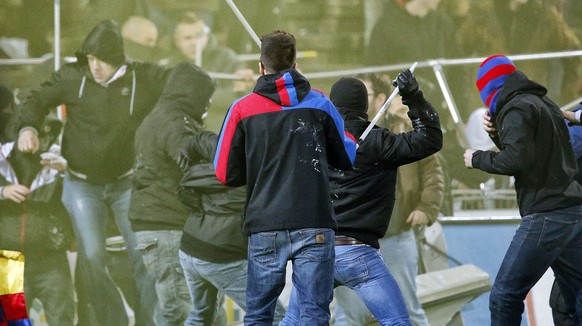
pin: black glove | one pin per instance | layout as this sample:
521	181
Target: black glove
183	161
407	86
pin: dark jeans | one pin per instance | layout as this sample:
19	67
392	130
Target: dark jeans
47	277
551	239
563	313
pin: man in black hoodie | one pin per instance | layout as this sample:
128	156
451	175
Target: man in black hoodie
363	198
106	99
534	143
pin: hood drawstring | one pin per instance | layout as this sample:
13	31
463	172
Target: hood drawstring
82	86
120	72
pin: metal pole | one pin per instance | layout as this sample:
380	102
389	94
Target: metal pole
383	109
572	105
461	135
246	25
57	35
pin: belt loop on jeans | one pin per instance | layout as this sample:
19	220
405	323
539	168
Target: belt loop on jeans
342	240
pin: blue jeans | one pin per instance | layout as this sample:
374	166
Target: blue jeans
160	256
207	281
552	239
401	256
361	268
311	252
89	206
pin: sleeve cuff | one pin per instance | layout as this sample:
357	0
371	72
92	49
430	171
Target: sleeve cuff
577	115
26	129
1	190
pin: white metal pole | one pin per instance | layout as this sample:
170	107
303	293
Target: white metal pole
57	24
246	25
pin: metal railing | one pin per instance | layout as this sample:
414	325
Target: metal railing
460	195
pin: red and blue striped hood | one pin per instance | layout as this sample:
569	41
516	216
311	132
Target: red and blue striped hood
286	89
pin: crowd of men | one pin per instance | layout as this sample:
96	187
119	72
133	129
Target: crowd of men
293	177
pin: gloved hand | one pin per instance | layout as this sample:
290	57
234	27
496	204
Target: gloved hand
407	85
183	161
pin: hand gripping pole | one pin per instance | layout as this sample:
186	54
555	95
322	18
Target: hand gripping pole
382	110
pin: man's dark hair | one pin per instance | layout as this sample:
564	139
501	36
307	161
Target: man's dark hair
278	51
188	17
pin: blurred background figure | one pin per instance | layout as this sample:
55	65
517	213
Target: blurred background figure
525	26
194	42
140	36
477	136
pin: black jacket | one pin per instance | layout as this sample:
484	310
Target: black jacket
40	223
101	120
363	198
164	133
534	147
279	141
217	236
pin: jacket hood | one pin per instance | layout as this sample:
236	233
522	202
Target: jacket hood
188	89
518	83
349	114
287	88
104	42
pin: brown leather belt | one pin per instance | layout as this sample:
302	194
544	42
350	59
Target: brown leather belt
342	240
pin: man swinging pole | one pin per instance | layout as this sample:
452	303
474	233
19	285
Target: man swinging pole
383	109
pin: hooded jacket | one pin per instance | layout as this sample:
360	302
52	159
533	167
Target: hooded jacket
164	133
217	236
363	198
534	148
101	119
279	141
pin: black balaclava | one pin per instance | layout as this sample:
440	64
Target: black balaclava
350	95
